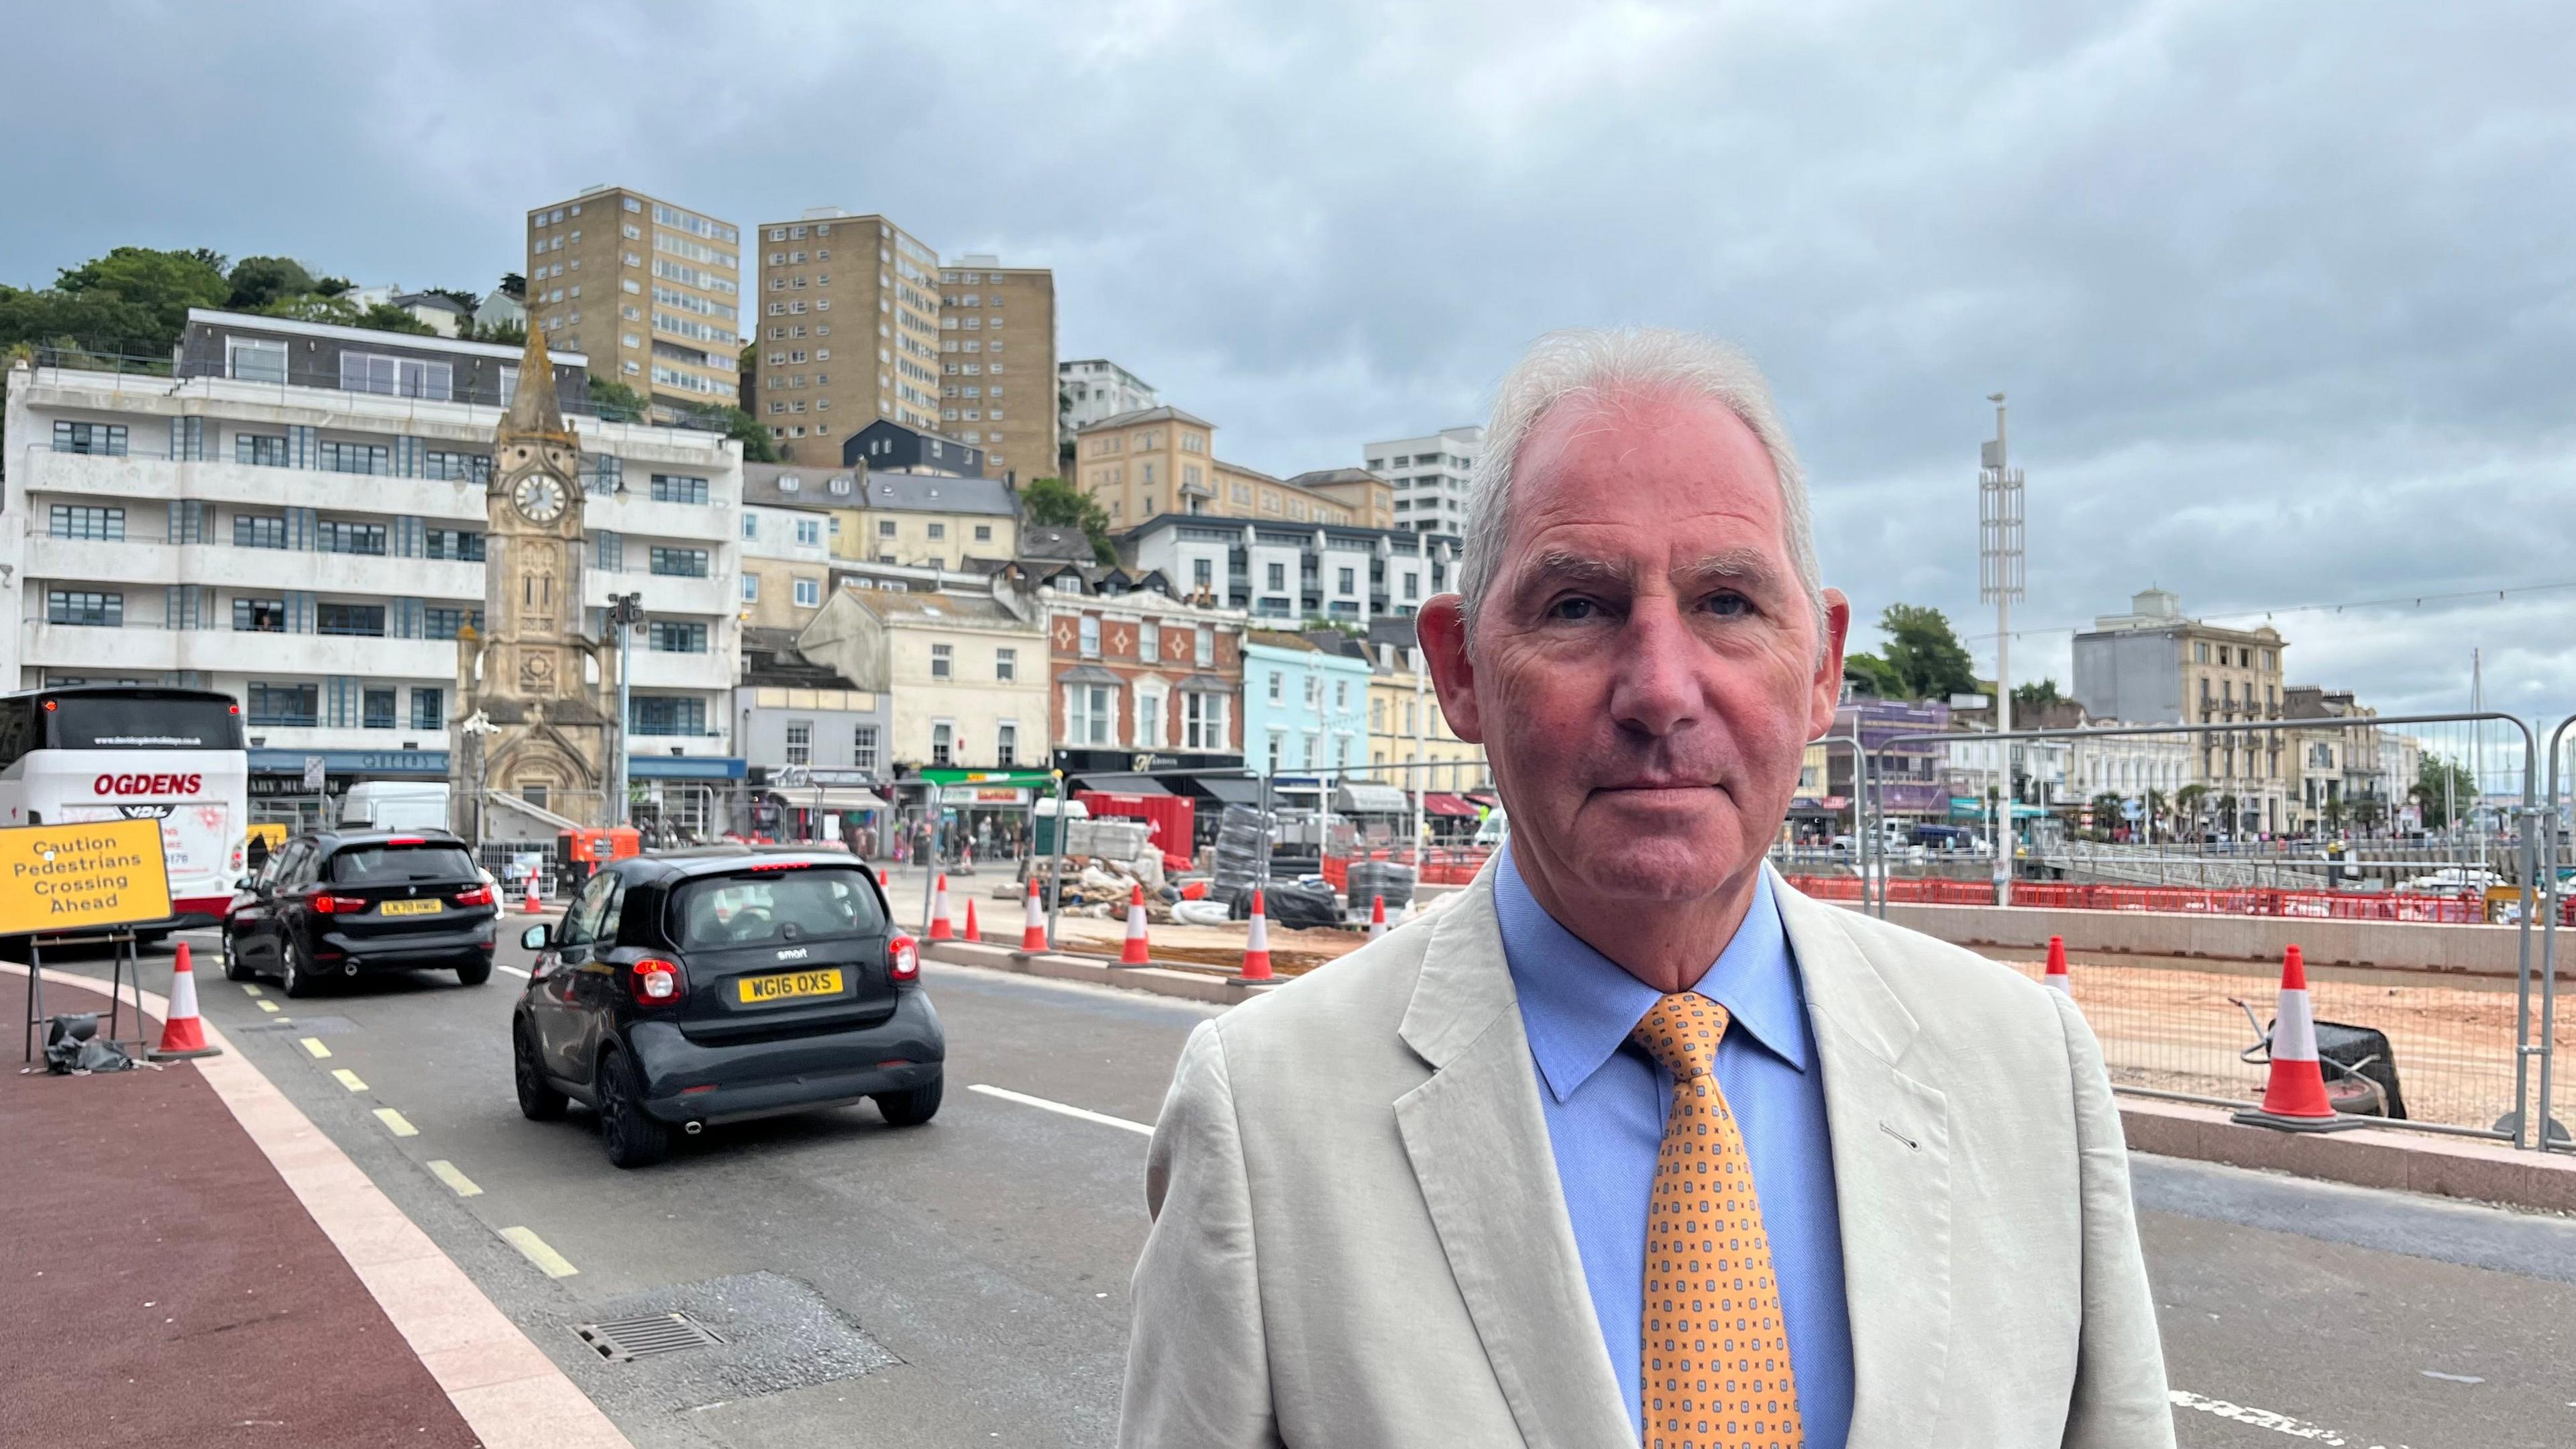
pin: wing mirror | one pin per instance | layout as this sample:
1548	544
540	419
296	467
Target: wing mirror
535	937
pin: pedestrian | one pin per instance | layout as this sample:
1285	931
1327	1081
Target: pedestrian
1633	1140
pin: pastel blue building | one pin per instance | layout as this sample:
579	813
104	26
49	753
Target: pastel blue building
1305	702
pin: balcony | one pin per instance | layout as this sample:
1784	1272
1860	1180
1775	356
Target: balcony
145	561
136	477
657	670
635	513
663	593
136	648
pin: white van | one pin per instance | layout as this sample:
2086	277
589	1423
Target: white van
395	805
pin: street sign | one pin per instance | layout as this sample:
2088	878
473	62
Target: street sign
316	772
72	877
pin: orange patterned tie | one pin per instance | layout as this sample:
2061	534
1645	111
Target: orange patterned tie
1716	1348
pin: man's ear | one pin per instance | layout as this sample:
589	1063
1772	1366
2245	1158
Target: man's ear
1442	627
1828	691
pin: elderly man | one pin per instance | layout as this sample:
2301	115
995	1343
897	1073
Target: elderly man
1633	1141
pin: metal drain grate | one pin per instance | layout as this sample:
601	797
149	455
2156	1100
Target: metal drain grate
623	1339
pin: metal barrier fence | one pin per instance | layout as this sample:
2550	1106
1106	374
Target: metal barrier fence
2463	1050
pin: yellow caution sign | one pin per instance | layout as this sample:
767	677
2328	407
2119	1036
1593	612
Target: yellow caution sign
72	877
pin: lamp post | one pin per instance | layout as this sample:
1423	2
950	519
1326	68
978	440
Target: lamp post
1999	581
625	611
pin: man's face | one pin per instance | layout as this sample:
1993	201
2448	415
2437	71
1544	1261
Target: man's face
1644	672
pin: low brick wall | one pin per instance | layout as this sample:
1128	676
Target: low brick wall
2456	950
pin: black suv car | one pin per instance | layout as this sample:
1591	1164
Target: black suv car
337	903
719	985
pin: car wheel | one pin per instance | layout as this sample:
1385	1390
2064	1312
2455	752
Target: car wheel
295	975
235	969
474	973
538	1100
633	1136
910	1108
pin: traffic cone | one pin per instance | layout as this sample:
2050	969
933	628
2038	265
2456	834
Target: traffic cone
941	927
2294	1100
1256	943
2057	965
882	880
970	933
1033	931
1377	917
1134	954
182	1033
533	903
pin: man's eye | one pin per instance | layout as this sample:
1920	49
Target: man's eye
1728	605
1571	609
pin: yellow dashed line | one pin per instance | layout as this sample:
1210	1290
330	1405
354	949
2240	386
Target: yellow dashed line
250	990
445	1171
268	1005
548	1261
395	1122
314	1045
348	1079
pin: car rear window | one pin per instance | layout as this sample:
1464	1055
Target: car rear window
784	905
366	865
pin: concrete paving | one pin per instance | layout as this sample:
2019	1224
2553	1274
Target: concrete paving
966	1282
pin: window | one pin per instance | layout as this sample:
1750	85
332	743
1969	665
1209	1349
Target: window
1091	714
685	563
1412	588
939	661
677	488
285	704
863	746
1203	721
396	376
106	525
1149	641
2200	653
1278	577
1206	654
809	593
809	532
1006	744
1091	636
376	709
943	739
751	588
85	606
458	467
452	544
1314	693
671	636
1278	686
983	533
750	526
1341	694
1202	573
428	709
374	458
1348	577
259	616
1149	720
800	742
660	715
104	438
254	361
1006	664
885	528
259	450
443	623
333	537
367	620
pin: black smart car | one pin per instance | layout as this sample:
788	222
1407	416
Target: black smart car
719	985
338	903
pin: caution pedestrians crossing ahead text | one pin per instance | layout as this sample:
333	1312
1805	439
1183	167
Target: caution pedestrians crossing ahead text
73	877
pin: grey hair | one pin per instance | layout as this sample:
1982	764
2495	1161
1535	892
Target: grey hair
1596	364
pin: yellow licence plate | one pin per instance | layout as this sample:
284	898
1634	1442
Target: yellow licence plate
410	908
787	986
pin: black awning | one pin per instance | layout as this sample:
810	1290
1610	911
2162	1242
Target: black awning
1117	784
1224	789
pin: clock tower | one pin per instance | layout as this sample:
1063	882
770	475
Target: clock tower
536	696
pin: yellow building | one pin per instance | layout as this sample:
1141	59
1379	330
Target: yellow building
997	364
966	672
650	292
1160	460
1407	728
847	318
926	520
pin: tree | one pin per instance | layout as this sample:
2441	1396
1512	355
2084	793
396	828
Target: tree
386	317
514	286
2107	814
1922	655
458	295
2443	791
1873	676
614	401
513	334
2157	807
2227	812
1054	501
259	281
2189	803
2035	697
743	428
134	300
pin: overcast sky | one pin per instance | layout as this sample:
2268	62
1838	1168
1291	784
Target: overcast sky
2284	296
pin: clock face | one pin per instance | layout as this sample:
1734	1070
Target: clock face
539	499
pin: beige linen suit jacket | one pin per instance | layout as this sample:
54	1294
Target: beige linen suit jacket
1359	1238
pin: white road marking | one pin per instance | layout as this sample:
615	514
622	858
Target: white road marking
2451	1378
513	970
314	1045
548	1261
266	1005
445	1171
348	1079
1042	1104
396	1123
2259	1418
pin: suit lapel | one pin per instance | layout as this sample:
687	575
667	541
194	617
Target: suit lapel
1479	1149
1891	1150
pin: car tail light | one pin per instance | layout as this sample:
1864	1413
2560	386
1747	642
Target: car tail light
326	904
656	982
903	958
477	896
408	840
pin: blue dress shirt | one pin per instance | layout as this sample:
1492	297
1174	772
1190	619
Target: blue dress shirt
1605	1102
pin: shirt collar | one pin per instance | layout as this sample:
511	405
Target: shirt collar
1578	1006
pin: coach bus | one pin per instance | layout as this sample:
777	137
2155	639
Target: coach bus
110	752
